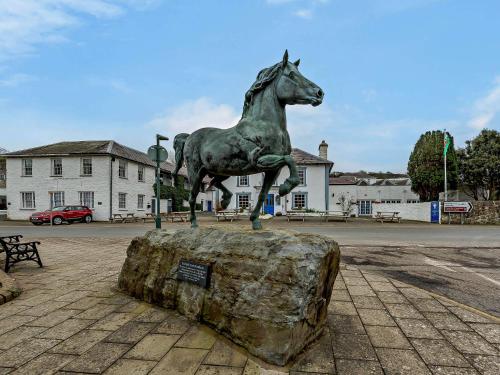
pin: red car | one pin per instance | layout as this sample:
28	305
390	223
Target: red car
63	213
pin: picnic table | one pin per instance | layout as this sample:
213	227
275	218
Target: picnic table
149	217
119	218
178	216
388	216
343	215
229	215
296	215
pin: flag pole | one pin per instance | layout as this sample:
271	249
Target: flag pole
445	176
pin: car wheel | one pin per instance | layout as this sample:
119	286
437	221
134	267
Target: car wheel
87	219
57	220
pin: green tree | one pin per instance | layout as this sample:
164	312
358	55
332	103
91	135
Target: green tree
479	166
426	165
177	193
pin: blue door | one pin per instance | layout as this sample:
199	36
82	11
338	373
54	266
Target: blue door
269	204
209	206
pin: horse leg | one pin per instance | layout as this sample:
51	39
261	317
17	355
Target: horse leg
272	162
195	180
269	177
226	194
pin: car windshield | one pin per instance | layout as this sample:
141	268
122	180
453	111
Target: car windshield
58	208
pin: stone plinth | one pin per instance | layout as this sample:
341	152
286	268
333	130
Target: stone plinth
268	290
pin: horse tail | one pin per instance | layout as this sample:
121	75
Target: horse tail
179	141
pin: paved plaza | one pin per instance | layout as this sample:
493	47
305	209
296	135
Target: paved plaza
71	319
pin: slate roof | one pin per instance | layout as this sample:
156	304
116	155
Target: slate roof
343	180
301	157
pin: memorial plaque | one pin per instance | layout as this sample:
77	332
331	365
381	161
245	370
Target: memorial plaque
195	273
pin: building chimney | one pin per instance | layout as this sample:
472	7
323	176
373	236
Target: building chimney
323	149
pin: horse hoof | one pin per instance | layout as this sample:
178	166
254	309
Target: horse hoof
284	189
256	225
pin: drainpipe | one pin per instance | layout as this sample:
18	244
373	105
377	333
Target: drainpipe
327	185
111	160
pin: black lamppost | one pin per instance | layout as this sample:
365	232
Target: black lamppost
158	161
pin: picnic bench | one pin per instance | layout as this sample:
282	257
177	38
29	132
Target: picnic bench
17	251
149	217
128	218
388	216
296	215
177	216
342	215
227	215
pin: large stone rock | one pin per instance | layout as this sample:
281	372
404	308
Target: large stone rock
269	290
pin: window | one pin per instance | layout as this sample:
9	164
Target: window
140	201
391	200
140	173
299	201
87	198
364	207
57	167
28	199
412	201
56	199
242	180
86	167
302	176
122	200
243	200
122	169
27	167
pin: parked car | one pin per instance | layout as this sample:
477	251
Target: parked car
64	213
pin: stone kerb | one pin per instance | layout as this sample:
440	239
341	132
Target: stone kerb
268	292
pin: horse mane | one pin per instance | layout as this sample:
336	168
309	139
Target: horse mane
264	78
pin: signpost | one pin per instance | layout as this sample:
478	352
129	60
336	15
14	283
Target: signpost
435	208
457	208
158	154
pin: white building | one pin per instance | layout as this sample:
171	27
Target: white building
363	190
107	177
311	194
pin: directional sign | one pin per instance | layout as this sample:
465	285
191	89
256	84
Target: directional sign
458	207
163	154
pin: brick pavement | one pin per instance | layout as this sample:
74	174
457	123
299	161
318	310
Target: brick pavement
71	319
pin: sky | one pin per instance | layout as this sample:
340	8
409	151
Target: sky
128	69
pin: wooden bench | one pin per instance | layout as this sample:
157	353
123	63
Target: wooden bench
342	215
296	215
17	251
388	216
117	218
149	217
227	215
178	216
130	218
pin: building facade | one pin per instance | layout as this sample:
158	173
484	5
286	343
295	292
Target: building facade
311	194
3	183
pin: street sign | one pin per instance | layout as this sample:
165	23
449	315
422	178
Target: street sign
457	207
434	212
163	154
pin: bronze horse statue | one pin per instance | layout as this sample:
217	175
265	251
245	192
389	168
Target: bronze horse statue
258	143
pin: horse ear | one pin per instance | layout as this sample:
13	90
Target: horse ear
285	58
296	63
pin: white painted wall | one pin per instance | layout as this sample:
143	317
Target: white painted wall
407	211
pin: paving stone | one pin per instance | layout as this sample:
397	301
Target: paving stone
80	342
353	347
401	362
443	370
487	365
152	347
366	302
428	305
439	352
44	364
134	306
399	284
491	332
119	299
98	358
18	335
152	315
130	367
54	318
415	293
373	277
345	324
376	317
25	351
342	308
199	337
5	370
131	332
226	354
391	297
72	296
349	281
446	321
14	321
469	342
403	311
382	286
113	321
10	308
218	370
98	311
339	284
44	308
174	325
341	295
387	337
318	358
468	316
65	329
418	328
359	290
350	273
180	361
356	367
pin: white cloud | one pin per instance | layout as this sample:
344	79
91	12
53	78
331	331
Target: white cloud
116	84
195	114
24	24
306	14
15	80
486	108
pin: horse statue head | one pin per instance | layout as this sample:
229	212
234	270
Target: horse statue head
290	86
